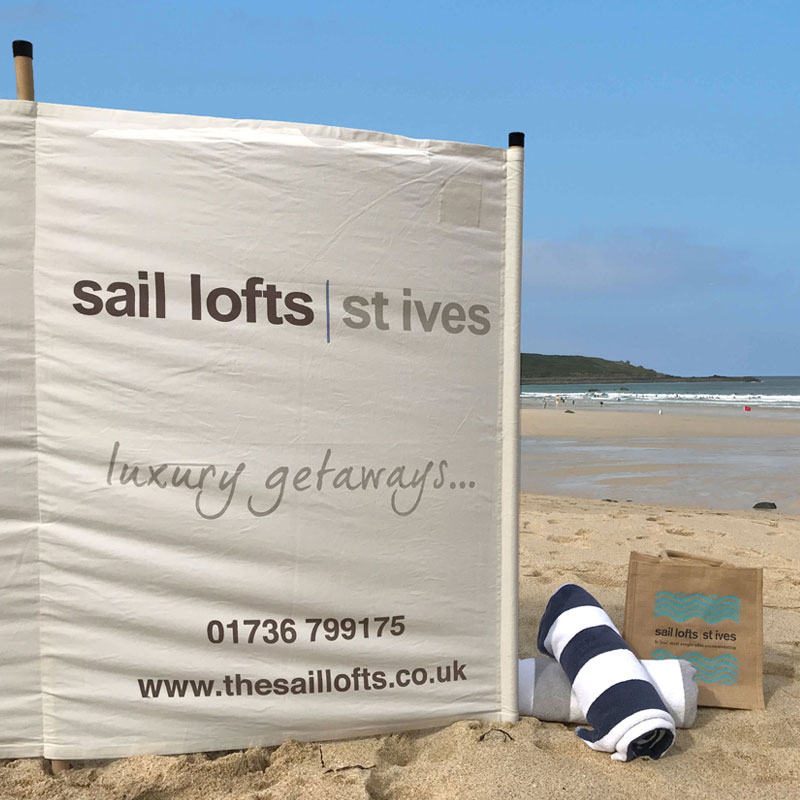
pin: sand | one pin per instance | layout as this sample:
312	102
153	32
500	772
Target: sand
648	424
722	459
753	754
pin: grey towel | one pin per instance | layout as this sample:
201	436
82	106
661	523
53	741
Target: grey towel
546	693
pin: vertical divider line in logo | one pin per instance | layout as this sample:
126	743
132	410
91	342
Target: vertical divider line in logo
328	310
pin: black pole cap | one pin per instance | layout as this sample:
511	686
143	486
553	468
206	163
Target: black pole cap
516	139
22	48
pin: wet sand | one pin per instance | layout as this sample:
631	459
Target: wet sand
610	423
716	461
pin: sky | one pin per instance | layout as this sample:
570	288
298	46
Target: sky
662	194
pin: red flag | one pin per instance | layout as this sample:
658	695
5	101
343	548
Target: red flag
747	408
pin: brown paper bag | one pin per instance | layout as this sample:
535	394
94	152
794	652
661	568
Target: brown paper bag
702	610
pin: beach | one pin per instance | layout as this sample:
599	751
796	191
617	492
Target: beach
586	540
696	423
701	456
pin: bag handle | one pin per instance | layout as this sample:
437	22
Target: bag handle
679	555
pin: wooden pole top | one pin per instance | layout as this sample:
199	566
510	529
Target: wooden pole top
23	66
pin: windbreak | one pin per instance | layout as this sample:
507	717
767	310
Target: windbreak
258	429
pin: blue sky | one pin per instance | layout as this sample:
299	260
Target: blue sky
662	216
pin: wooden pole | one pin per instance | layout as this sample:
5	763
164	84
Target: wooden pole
23	65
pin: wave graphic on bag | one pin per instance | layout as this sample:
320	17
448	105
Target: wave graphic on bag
710	608
722	669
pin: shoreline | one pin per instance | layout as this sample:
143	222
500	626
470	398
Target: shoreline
612	381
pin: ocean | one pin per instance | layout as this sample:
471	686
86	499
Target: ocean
772	392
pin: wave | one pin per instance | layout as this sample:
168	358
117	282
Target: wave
686	596
723	669
771	400
680	613
709	663
710	608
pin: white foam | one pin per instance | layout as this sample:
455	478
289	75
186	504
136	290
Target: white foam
734	399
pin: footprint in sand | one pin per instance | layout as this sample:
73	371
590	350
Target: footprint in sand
397	751
576	538
782	669
607	580
551	576
680	532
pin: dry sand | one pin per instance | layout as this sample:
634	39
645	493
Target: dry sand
753	754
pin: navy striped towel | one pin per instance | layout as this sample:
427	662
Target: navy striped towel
613	689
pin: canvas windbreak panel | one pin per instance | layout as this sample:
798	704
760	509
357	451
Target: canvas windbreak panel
269	393
20	679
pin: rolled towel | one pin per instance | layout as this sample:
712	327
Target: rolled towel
546	693
613	689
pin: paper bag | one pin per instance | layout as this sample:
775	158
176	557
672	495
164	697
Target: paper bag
702	610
